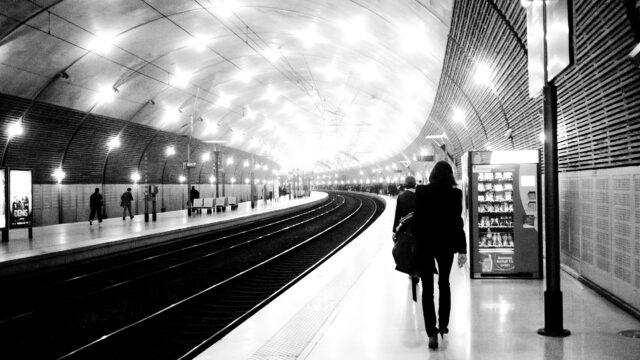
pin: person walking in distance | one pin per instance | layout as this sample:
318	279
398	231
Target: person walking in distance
406	201
95	203
126	200
439	230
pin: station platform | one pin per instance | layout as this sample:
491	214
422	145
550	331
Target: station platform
58	244
356	306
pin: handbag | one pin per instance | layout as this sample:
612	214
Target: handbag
405	249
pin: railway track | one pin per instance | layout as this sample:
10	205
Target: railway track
173	304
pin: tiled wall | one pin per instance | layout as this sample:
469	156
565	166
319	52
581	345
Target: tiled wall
600	228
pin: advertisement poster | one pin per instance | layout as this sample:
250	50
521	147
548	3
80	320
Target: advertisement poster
20	198
3	216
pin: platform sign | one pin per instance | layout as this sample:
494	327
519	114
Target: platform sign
559	40
21	198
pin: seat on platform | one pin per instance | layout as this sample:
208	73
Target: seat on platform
233	202
221	203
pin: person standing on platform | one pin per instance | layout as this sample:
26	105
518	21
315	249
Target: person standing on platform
95	203
193	194
439	230
406	201
126	200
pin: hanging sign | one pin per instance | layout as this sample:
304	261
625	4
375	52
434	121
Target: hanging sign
20	198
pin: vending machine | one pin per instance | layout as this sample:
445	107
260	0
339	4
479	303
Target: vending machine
502	209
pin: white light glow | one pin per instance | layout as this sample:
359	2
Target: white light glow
105	94
542	137
483	74
458	115
272	53
101	43
212	179
114	143
233	180
59	174
224	100
180	78
15	129
245	76
170	151
182	179
197	44
355	30
171	115
310	37
206	156
135	177
230	161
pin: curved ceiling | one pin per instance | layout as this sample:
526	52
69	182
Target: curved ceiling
318	85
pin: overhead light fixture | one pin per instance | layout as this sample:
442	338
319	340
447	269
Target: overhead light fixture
508	133
441	136
58	174
135	177
114	143
15	129
542	137
483	74
458	115
181	178
170	151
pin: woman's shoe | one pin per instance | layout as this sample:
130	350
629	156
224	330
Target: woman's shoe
442	331
433	341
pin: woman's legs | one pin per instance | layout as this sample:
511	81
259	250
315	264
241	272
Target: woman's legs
428	309
444	269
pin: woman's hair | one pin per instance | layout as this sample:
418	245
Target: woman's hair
442	174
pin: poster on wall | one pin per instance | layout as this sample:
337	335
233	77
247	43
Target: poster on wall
3	215
21	199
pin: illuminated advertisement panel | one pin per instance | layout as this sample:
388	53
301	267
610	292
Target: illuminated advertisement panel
3	215
20	199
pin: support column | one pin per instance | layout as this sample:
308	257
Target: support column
553	316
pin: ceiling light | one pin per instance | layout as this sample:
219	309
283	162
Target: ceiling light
330	72
272	53
114	143
170	151
135	177
101	43
354	30
170	115
181	178
224	100
244	75
15	129
180	78
458	115
197	44
310	37
212	179
206	156
230	161
105	94
483	74
59	175
542	137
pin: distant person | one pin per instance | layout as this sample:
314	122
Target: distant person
95	203
406	201
438	228
193	194
126	198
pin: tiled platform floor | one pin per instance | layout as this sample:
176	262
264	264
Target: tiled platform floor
356	306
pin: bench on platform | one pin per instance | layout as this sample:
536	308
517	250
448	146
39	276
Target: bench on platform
221	203
204	203
233	202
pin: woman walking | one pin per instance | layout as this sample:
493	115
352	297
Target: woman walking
438	228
